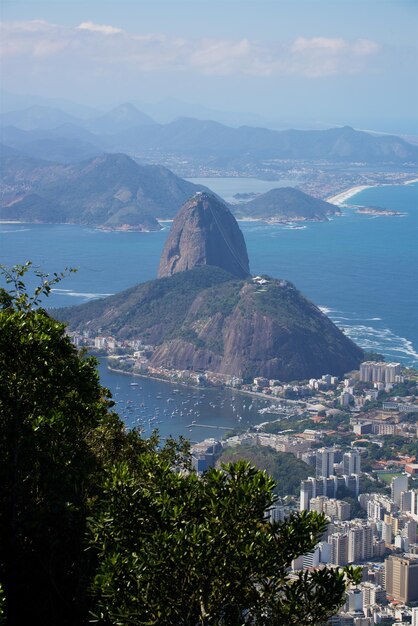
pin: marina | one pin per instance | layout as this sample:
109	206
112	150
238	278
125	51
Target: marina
177	410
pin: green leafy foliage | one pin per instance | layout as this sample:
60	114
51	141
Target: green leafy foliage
2	606
180	550
99	524
154	310
51	407
18	297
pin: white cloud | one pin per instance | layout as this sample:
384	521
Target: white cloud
104	29
301	44
365	47
221	56
100	47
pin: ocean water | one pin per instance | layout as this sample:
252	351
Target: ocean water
179	410
362	270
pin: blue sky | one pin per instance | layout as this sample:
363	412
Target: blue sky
291	62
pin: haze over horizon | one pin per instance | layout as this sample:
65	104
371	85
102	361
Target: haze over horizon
279	64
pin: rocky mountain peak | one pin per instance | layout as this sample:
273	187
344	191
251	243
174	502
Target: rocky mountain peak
204	232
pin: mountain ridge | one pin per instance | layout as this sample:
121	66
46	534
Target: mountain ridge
108	190
129	129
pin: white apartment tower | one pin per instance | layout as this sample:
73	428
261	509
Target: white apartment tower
351	463
398	485
379	372
324	462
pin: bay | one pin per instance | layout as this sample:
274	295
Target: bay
362	270
179	410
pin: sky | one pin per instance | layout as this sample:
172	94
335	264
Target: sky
284	62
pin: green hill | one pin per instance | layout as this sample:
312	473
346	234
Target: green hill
205	320
286	203
109	190
284	467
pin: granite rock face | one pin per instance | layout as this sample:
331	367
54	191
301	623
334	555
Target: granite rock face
204	232
246	329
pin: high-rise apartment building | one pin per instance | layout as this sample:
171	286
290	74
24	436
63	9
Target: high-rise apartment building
402	578
360	543
324	462
314	487
332	508
379	372
351	463
387	533
406	501
397	486
339	549
410	530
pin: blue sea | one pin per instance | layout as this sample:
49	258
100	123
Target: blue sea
360	269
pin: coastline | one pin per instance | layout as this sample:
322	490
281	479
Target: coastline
340	198
117	229
255	394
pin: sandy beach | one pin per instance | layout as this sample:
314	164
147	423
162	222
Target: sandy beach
340	198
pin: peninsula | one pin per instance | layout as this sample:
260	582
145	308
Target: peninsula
207	315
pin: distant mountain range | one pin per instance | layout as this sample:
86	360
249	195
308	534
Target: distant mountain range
126	129
113	191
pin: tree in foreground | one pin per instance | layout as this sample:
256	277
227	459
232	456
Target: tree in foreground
98	524
181	550
52	409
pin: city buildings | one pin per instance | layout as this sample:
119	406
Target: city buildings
398	485
402	577
379	372
351	463
324	462
332	508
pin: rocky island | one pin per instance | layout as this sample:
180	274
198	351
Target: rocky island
207	314
377	212
286	204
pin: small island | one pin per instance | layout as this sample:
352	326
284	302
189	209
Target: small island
377	212
246	196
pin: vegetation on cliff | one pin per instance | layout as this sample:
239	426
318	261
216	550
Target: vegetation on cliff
204	319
